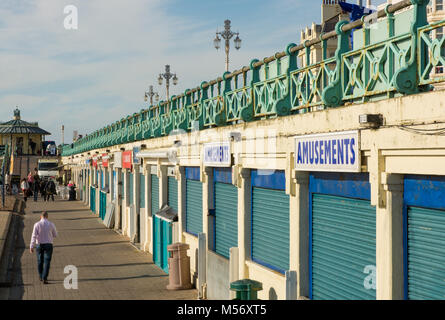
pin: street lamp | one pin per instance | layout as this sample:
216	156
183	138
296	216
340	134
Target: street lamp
151	94
227	34
167	76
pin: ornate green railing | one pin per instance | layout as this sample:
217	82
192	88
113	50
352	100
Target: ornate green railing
399	54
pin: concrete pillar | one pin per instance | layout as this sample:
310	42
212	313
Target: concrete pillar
244	221
118	212
136	199
111	183
181	202
234	268
299	235
207	204
125	201
146	238
163	184
389	240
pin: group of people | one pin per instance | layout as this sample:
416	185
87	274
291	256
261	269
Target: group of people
33	185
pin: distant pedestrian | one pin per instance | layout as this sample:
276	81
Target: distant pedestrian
42	239
36	184
50	190
25	188
43	189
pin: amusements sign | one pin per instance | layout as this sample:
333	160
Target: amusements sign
338	151
127	159
95	162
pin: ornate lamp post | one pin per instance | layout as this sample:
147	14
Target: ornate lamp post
227	34
167	76
151	94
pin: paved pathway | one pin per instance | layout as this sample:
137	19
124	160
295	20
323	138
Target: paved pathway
108	266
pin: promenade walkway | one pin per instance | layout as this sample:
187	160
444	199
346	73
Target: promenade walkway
108	266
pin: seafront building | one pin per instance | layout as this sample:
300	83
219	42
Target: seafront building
326	177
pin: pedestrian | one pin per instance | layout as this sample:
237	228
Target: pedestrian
50	189
43	189
25	188
36	184
42	239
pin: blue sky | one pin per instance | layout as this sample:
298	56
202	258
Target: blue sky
93	76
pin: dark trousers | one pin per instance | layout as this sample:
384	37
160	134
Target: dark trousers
44	254
49	195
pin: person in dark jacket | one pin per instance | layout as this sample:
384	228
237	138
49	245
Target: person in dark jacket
43	189
50	189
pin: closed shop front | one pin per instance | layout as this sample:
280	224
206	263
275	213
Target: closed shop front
193	207
270	220
93	199
342	235
226	212
424	235
102	204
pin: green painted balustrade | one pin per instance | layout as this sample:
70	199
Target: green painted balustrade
397	55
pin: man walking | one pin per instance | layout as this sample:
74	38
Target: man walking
42	235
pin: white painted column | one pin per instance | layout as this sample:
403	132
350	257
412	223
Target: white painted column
389	240
244	221
181	202
111	183
163	184
125	201
118	212
207	204
299	231
145	214
136	198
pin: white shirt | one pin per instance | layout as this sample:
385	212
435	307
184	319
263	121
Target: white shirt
44	232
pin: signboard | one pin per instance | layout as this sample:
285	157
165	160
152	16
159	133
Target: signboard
87	162
105	159
95	162
217	154
117	159
338	151
136	160
127	159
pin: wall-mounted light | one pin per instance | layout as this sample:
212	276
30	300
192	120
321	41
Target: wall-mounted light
370	120
122	149
108	151
235	136
143	146
177	143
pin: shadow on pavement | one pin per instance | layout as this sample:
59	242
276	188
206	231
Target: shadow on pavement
114	265
89	244
17	289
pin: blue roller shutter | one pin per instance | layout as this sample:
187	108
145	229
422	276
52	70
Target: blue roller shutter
131	191
173	193
193	216
93	199
424	241
343	244
226	212
342	237
426	254
154	194
142	191
270	221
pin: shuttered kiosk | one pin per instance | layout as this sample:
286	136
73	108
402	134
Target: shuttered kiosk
424	237
226	211
342	237
193	201
162	222
270	220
